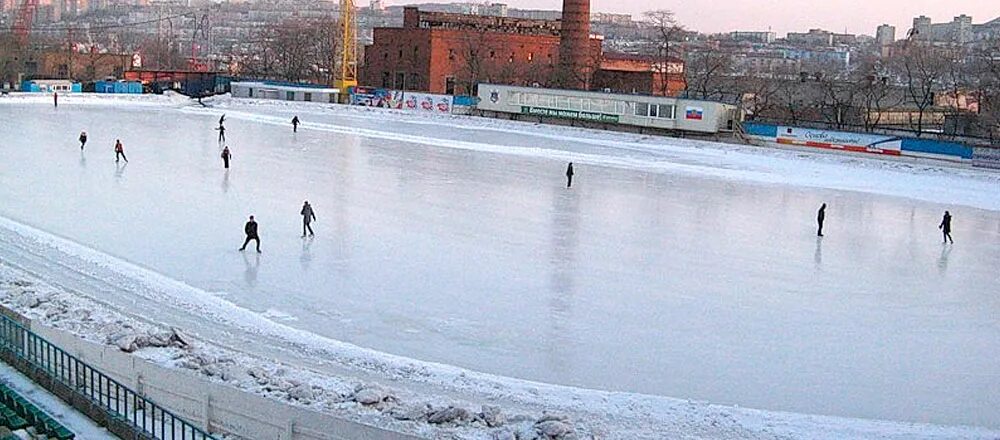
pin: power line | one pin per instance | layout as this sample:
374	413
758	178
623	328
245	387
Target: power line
113	26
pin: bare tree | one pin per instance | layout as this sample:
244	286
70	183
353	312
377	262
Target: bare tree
838	99
709	75
293	51
662	31
922	69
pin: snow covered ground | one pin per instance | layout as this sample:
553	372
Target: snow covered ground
673	268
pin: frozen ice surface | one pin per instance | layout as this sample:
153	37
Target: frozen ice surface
672	267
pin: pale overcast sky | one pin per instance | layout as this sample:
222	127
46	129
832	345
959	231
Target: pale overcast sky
781	16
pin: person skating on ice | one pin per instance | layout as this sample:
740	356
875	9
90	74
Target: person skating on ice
83	139
820	217
222	133
119	151
251	230
945	227
308	216
226	155
295	124
569	175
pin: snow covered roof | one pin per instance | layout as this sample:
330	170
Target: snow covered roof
309	88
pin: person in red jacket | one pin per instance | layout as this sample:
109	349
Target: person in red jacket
119	151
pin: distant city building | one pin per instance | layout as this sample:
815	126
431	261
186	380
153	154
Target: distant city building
960	30
885	35
535	14
815	37
604	17
762	37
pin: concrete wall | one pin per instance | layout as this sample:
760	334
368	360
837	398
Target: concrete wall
214	407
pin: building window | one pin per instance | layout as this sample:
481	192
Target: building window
451	54
250	93
414	83
668	111
400	81
641	109
654	111
386	78
333	98
531	56
290	96
449	85
308	96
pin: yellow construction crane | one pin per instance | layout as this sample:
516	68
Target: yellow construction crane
348	70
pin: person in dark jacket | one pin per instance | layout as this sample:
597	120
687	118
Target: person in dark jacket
251	230
222	133
820	217
307	218
226	155
222	119
295	124
55	98
945	227
83	139
119	151
569	175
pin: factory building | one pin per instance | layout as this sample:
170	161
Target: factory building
452	53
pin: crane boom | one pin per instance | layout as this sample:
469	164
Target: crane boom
347	72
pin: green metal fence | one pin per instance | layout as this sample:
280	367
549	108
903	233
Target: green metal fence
116	399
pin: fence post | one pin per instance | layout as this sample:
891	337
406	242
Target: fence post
208	413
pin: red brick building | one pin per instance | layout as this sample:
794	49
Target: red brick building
452	53
627	73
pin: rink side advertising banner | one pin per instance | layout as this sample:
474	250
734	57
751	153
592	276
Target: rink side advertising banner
400	100
837	140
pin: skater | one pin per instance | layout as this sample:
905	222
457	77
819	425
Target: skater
83	139
251	230
295	124
225	156
307	217
945	227
569	176
820	218
222	133
119	151
55	99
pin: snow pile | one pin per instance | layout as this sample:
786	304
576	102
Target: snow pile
364	402
106	99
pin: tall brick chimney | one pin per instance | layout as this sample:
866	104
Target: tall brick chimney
574	45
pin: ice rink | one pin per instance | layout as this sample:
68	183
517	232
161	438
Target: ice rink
691	272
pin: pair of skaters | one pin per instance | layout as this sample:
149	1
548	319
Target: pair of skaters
250	228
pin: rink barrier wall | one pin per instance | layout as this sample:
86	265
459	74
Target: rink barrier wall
859	142
109	402
214	408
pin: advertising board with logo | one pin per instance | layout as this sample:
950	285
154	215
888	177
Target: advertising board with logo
837	140
400	100
568	114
